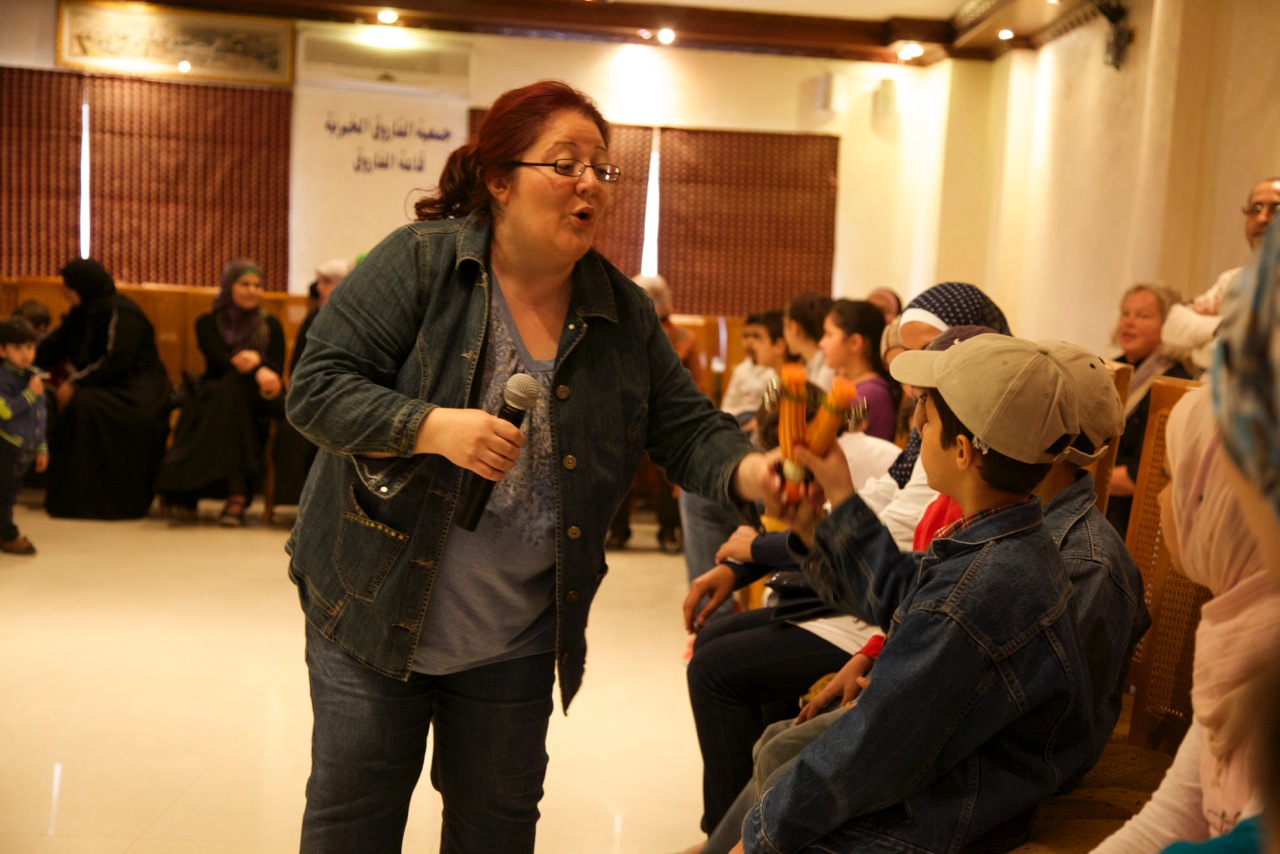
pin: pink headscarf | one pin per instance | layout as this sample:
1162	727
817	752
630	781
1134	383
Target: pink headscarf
1239	629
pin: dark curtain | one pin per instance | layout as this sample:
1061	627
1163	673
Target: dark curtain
185	177
620	237
747	219
39	170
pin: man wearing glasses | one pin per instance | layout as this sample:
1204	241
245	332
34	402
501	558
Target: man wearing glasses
1192	326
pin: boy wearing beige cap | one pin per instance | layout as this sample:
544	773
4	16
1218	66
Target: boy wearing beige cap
981	702
1108	601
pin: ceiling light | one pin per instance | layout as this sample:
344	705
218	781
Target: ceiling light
388	16
184	66
666	36
1004	35
910	51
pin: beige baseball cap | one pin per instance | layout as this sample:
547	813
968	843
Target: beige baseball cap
1097	401
1012	394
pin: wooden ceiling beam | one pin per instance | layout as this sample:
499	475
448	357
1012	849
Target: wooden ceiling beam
796	35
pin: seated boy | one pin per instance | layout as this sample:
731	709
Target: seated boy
981	703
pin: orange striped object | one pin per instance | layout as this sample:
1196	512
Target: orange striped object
791	425
831	416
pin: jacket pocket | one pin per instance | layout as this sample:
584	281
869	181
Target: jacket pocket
365	550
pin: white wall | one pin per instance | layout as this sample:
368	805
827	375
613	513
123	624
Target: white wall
27	36
1103	178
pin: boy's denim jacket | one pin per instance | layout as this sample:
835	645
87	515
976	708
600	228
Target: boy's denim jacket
404	333
1108	603
978	707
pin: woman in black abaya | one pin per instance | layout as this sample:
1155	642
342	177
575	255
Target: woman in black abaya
108	436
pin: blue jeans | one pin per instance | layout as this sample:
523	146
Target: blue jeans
706	525
369	741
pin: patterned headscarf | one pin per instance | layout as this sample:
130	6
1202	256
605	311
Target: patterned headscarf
240	329
1246	368
955	304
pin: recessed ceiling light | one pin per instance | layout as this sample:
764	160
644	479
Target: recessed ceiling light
388	16
1005	35
184	66
910	51
666	35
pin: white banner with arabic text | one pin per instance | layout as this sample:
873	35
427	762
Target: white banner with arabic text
359	161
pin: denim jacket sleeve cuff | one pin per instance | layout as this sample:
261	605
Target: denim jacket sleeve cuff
754	840
848	524
385	477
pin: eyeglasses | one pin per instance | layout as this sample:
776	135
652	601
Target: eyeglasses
1268	209
606	172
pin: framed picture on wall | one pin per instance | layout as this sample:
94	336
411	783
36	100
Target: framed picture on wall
156	41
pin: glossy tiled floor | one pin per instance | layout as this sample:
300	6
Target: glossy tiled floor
153	700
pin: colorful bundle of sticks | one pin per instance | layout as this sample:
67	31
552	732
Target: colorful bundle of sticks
831	416
791	426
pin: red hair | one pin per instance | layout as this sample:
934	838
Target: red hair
511	125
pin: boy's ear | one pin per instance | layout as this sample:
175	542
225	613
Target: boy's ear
966	455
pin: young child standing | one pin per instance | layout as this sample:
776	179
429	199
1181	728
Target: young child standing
22	423
981	704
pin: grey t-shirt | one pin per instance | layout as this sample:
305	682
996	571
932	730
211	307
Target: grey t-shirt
493	596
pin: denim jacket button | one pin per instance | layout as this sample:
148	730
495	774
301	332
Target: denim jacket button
570	462
562	392
571	596
574	532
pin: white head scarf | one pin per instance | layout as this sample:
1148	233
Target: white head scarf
1240	626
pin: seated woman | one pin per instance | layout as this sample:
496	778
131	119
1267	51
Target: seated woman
850	342
1142	313
106	440
217	446
1209	788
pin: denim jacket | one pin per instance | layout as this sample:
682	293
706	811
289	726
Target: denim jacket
978	707
405	334
1107	602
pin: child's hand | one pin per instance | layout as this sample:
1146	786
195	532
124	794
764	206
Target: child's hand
845	686
42	462
716	586
738	546
36	384
831	471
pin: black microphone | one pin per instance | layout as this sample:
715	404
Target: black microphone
520	393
